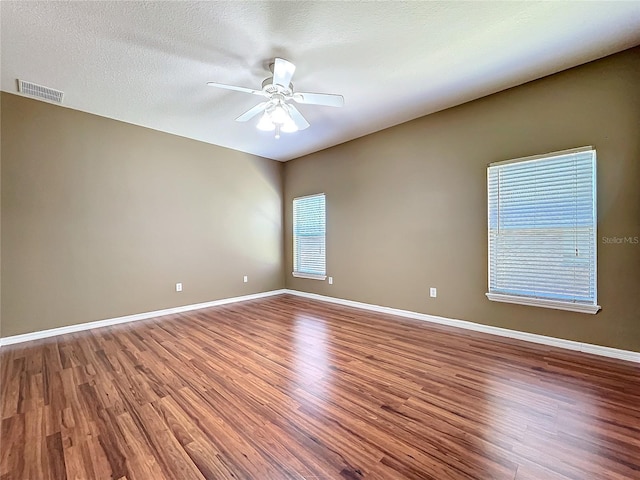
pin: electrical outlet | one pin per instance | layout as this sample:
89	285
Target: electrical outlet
246	279
330	280
433	292
178	287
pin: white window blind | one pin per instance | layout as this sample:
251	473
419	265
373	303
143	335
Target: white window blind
542	231
309	225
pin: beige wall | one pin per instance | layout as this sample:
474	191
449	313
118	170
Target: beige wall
406	207
0	217
101	219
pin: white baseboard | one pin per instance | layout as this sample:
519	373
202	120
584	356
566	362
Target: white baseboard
503	332
25	337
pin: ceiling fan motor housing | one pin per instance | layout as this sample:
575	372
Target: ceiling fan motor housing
270	88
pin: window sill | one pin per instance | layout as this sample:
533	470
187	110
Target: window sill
310	276
545	303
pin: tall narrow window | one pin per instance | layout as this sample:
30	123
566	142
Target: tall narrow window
309	224
542	231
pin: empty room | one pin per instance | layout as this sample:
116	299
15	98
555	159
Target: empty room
320	240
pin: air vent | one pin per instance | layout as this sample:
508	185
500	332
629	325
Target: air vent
38	91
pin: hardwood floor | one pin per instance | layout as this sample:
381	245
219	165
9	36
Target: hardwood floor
288	388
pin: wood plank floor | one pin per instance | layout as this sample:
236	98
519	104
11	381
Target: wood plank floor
288	388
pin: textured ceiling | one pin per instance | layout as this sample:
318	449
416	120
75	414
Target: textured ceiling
147	63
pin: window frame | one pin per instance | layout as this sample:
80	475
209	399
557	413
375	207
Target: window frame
541	301
297	273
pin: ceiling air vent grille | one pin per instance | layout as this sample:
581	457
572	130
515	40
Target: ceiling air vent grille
39	91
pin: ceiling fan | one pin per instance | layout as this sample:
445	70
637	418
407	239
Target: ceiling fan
278	113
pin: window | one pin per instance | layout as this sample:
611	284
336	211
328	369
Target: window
309	224
542	231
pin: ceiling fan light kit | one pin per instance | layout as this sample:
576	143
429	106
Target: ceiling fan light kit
278	114
276	118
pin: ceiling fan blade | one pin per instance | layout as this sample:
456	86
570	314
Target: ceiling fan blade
297	117
233	87
249	114
326	99
283	72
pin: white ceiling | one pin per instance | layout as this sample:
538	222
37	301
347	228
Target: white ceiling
147	63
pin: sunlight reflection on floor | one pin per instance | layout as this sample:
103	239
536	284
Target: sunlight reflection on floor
312	358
